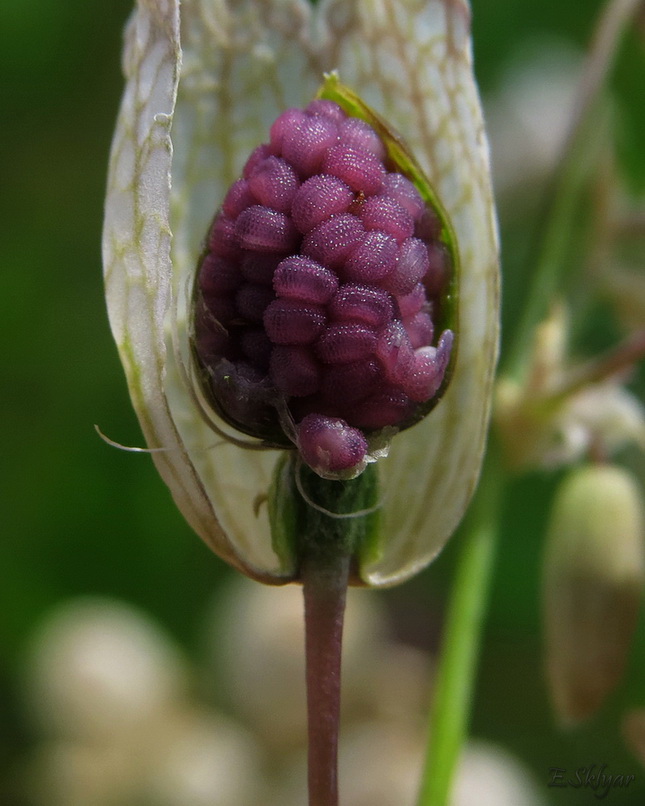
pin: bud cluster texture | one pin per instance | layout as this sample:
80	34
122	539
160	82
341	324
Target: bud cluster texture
318	287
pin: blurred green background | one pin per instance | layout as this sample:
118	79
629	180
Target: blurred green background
79	517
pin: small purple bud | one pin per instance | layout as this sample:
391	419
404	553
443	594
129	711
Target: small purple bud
326	109
305	144
258	155
395	352
331	242
412	303
295	371
285	122
427	370
386	215
372	259
363	305
238	198
319	198
438	268
303	279
291	322
389	406
241	390
265	230
399	188
329	444
361	170
420	329
340	344
360	135
222	240
424	376
428	227
410	269
274	184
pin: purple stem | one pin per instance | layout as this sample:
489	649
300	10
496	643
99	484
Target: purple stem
325	588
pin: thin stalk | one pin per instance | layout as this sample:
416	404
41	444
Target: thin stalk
450	711
620	359
325	588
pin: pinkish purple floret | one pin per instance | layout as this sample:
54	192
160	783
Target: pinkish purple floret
262	229
358	134
398	187
384	214
360	169
303	279
332	242
319	286
329	444
362	304
373	258
274	184
317	199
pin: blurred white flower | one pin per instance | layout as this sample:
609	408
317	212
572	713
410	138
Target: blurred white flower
98	668
490	776
108	690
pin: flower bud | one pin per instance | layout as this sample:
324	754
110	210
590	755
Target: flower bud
593	577
313	264
323	296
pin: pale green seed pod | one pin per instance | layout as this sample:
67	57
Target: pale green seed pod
194	107
594	571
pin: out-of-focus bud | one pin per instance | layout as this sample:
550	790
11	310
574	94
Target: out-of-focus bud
195	106
594	571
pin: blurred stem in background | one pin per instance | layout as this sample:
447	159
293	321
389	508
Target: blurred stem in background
585	137
587	133
462	638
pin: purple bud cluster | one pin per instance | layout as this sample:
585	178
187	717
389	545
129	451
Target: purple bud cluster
322	272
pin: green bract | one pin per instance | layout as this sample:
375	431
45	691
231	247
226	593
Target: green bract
193	109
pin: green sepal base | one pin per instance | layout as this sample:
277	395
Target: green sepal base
301	530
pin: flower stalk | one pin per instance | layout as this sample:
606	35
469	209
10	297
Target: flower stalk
325	589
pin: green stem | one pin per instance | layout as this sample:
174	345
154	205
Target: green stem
585	136
461	641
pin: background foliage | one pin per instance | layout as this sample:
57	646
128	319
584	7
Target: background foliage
80	517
